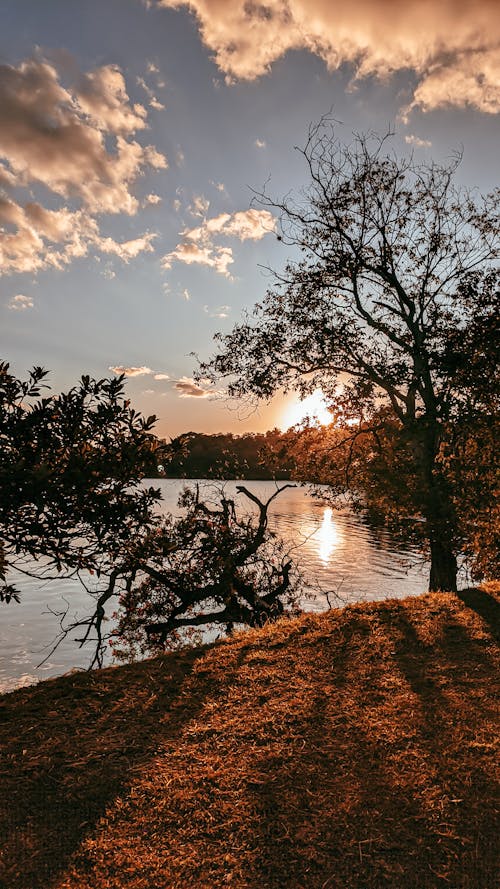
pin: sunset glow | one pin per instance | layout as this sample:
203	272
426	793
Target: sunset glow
313	408
128	234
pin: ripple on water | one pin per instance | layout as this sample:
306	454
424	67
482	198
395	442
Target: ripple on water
340	556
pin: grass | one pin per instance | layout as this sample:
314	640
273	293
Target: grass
356	748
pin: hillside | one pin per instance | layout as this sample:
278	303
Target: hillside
355	748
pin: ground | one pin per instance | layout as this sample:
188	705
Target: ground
356	748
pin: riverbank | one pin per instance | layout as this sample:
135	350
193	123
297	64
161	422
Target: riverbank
348	750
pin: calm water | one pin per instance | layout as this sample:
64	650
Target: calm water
339	555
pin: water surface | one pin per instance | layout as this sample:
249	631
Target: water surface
341	557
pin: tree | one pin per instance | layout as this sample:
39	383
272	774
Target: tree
72	502
388	250
214	566
70	468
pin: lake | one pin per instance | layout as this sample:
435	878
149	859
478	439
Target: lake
343	560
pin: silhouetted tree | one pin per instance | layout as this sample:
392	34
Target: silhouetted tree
70	468
72	502
368	313
214	566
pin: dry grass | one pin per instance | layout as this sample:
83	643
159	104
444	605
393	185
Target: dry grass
350	749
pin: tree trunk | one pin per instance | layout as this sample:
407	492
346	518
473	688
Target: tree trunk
440	515
443	575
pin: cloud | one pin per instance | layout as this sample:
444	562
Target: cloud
471	79
189	388
151	200
127	250
138	372
102	95
259	143
417	142
77	143
218	258
453	41
21	302
153	101
130	371
198	247
218	312
199	206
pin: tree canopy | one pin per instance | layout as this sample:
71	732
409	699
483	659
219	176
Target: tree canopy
394	289
252	455
70	468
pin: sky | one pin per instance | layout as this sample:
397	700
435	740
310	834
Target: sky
134	134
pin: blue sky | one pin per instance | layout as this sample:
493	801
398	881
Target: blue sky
133	133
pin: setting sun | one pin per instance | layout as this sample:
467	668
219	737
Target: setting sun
314	407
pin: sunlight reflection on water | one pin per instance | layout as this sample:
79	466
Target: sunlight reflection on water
328	536
343	560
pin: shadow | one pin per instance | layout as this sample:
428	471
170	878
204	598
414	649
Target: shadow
486	606
353	750
376	792
72	745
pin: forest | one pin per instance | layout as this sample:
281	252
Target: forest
252	455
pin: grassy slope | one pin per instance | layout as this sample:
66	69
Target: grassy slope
350	749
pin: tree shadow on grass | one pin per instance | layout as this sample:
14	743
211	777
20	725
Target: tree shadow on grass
380	793
486	606
73	745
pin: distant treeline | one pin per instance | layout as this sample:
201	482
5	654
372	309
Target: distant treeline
224	455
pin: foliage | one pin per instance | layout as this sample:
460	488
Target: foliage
215	565
391	254
227	456
70	468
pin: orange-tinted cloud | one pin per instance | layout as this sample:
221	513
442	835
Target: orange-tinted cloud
78	143
198	244
440	41
131	371
189	388
21	302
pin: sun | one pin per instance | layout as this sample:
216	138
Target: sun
314	407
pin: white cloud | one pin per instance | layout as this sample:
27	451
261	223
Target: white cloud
199	206
452	46
21	302
131	371
259	143
151	200
217	312
153	101
198	247
127	250
102	95
417	142
77	142
218	258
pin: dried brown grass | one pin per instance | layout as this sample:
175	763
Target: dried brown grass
349	750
